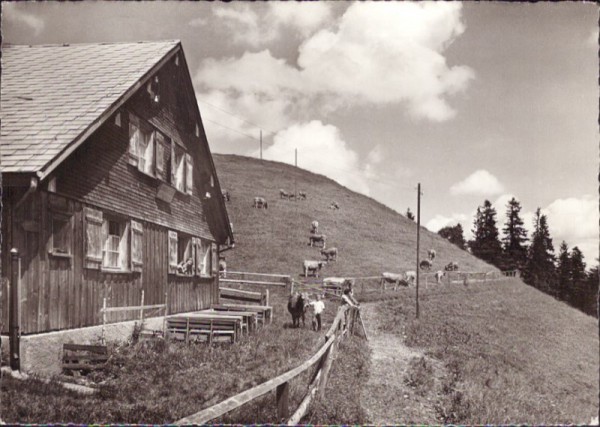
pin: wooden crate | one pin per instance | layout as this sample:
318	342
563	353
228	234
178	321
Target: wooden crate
79	357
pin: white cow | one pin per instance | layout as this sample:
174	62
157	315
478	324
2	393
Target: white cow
438	276
316	238
260	202
411	277
314	227
313	266
395	278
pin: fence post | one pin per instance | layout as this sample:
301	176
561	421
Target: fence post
15	346
283	392
103	320
142	310
327	367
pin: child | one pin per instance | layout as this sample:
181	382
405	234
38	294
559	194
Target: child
318	306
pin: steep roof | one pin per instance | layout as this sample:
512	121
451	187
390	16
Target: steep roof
51	95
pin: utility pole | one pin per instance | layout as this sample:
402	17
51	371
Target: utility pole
261	144
418	237
296	164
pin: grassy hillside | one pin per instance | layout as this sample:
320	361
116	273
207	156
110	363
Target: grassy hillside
370	237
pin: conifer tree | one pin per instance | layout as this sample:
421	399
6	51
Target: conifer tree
539	269
515	237
486	244
578	278
454	235
593	296
564	273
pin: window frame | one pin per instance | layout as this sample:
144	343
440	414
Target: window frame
68	219
124	246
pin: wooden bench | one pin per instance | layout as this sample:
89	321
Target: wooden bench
195	326
249	318
80	357
264	311
244	296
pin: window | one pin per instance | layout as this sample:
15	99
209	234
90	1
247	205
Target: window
116	244
178	168
141	145
112	243
62	234
190	255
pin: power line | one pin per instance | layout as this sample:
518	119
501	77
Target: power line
269	132
231	129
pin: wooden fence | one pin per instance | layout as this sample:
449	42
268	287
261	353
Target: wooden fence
246	278
344	322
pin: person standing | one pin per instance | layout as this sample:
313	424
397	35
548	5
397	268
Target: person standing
318	306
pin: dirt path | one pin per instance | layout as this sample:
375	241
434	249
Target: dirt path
403	383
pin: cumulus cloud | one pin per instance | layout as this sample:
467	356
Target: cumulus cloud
440	221
575	220
12	13
321	149
480	182
352	59
305	17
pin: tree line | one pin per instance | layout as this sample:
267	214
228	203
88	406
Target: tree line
563	276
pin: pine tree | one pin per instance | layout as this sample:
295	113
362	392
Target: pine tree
515	236
539	269
593	278
564	273
410	215
486	244
454	235
578	278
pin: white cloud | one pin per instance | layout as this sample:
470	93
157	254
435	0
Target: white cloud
198	22
375	53
575	220
321	149
12	13
440	221
480	182
305	17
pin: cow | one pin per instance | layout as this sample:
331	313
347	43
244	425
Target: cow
297	304
260	202
338	283
330	253
301	195
431	254
425	264
334	205
315	238
313	267
438	276
396	278
411	277
314	227
225	195
283	194
451	266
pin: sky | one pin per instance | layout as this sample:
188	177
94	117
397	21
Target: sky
474	100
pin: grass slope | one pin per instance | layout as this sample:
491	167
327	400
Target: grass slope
371	238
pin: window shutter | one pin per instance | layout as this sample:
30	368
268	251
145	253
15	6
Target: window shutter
137	234
93	237
189	173
197	256
134	140
173	164
124	245
160	154
172	252
214	263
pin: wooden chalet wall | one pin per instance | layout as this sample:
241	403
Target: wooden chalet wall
60	293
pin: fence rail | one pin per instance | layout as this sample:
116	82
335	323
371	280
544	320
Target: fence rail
281	383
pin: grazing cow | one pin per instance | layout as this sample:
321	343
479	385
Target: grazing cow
313	267
226	196
334	205
438	276
315	238
260	202
314	227
283	194
185	267
431	254
297	306
411	277
291	196
301	195
425	264
451	266
395	278
330	253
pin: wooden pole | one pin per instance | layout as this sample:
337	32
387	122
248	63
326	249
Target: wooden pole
261	144
283	393
13	324
142	310
103	320
418	237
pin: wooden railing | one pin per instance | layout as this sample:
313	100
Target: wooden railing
243	277
344	322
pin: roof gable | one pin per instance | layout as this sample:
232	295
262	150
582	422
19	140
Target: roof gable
52	94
